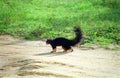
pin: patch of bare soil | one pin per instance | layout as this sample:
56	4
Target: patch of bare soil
32	59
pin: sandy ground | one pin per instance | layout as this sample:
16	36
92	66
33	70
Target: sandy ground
32	59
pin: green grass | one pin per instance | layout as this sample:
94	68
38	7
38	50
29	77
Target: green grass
99	19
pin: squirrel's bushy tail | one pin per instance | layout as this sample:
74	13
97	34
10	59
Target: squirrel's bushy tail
78	37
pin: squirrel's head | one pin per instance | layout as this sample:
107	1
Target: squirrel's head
48	41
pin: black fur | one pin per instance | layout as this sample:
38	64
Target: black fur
66	43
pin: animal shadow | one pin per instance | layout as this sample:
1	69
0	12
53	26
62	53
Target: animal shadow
52	54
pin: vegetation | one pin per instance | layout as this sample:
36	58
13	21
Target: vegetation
99	19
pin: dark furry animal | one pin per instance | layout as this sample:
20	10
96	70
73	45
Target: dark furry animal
66	43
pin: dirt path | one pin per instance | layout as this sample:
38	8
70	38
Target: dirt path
32	59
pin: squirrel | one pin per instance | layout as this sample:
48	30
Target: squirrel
66	43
